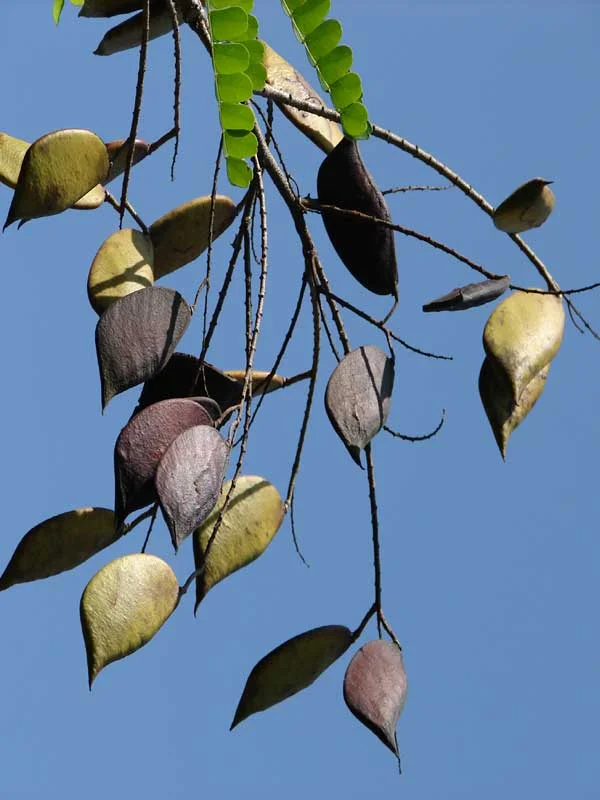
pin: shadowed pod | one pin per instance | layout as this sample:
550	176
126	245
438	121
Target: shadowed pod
366	248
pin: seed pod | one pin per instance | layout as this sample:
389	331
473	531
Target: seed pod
527	207
366	248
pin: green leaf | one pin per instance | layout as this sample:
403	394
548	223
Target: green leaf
331	60
246	5
310	15
258	76
57	10
230	58
335	64
324	39
235	116
235	88
239	144
229	23
346	90
256	50
355	121
238	172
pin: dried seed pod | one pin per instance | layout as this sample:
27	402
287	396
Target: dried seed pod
527	207
366	248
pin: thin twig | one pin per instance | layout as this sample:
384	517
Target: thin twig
375	532
177	85
211	222
152	521
424	438
401	189
360	313
363	623
137	107
112	201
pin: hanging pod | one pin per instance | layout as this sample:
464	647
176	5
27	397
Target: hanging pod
366	248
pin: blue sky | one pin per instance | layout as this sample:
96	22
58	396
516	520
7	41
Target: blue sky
490	569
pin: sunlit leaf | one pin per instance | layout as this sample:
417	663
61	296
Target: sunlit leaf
57	8
503	413
181	235
136	336
473	294
141	445
375	689
246	5
185	376
238	172
310	15
252	518
189	478
228	23
230	58
60	543
236	116
291	667
234	88
123	606
324	38
522	336
335	64
366	248
355	121
240	144
346	90
358	397
122	265
282	76
57	170
130	32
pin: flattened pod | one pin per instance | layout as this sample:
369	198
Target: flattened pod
366	248
503	413
527	207
375	689
469	296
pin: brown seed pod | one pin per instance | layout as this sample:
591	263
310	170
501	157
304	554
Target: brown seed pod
366	248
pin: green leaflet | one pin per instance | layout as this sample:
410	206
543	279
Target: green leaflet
332	61
239	71
57	7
